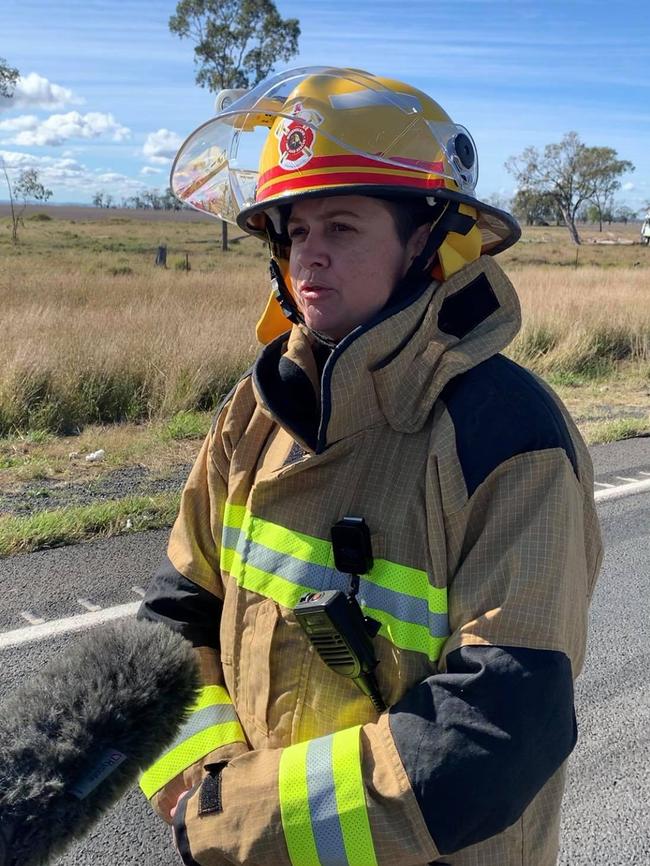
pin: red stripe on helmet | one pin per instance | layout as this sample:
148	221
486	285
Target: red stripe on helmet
293	182
351	161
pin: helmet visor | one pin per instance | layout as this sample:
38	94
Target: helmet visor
310	117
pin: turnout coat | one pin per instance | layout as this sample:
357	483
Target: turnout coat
478	493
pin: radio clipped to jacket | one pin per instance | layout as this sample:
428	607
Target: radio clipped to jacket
333	620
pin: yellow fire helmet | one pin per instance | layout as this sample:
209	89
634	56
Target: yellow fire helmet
320	131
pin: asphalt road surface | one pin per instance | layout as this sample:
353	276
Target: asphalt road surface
606	815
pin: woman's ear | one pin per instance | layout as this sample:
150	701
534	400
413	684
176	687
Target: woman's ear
416	243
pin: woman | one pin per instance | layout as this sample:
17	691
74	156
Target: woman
462	490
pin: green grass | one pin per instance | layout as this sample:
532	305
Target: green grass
187	425
619	428
69	525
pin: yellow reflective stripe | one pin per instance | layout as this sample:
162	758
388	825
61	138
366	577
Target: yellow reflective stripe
397	577
308	548
282	564
267	584
407	635
294	806
210	696
188	753
226	559
323	802
351	798
233	515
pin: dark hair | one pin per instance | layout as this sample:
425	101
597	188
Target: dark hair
408	214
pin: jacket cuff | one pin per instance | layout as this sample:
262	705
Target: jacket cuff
211	724
399	830
339	798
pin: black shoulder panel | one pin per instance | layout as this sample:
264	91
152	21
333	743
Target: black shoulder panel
461	312
499	410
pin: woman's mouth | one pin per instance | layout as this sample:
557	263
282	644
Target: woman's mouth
314	292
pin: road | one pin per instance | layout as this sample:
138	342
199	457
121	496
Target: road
606	816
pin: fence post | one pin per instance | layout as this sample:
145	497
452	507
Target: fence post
161	256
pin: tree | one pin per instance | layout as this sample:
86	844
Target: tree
237	43
607	182
624	214
534	208
8	79
26	187
570	173
169	200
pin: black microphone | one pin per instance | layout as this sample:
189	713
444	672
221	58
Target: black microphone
77	736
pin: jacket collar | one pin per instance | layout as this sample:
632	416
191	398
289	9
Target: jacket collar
393	369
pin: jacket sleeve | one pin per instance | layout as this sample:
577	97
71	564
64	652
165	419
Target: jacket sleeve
186	594
463	753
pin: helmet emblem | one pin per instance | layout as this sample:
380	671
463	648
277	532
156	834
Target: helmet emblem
296	139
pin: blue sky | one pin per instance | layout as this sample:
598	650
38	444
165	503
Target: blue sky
107	92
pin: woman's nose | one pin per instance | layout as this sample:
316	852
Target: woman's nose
313	251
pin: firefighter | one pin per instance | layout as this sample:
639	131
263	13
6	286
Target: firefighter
380	399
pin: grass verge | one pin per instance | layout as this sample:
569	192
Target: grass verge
69	525
619	428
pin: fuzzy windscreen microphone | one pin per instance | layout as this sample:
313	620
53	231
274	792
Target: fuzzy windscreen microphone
76	737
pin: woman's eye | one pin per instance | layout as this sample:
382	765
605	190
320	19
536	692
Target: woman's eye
296	231
340	227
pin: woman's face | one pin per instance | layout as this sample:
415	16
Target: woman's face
346	259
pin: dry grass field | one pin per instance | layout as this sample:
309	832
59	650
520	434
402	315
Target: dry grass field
94	333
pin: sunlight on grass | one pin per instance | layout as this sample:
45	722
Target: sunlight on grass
69	525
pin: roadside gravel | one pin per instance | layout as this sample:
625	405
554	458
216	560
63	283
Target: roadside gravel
45	494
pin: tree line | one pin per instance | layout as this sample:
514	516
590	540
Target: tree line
152	199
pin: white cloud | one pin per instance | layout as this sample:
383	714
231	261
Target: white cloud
29	131
37	92
161	146
68	177
18	124
149	169
628	186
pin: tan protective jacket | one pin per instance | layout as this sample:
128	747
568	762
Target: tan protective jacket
507	560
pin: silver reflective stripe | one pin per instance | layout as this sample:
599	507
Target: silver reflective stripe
321	787
313	577
202	719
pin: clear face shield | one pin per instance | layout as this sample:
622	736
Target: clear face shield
223	166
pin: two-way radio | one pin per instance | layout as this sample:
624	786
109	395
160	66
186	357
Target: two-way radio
333	620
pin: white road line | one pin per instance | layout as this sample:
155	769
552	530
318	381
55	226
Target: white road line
644	473
31	618
623	478
89	605
623	490
138	590
603	484
70	624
